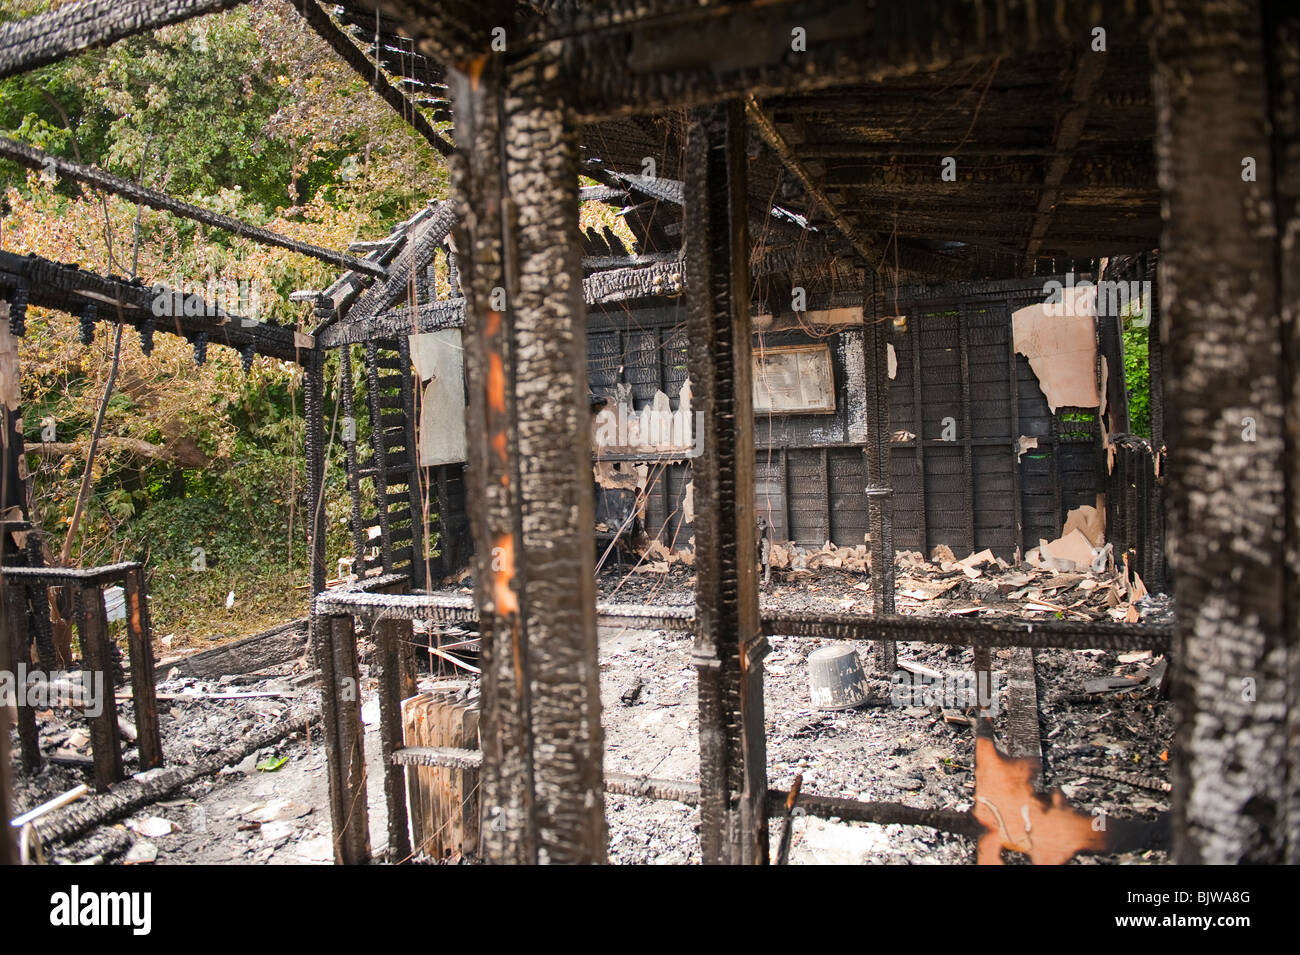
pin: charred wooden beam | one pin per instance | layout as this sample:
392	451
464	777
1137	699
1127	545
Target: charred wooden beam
325	27
35	41
865	244
99	179
1232	474
456	32
632	57
420	248
1089	66
729	646
1282	49
948	631
531	505
148	308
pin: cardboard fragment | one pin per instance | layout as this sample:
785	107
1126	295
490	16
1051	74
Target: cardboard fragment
1025	443
1060	341
1068	552
1089	521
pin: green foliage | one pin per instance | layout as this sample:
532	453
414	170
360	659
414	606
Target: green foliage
1137	374
248	113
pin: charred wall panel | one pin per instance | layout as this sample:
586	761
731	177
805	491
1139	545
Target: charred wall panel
958	407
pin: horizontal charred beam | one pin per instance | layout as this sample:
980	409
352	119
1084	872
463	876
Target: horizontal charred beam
429	317
70	289
99	179
634	56
950	631
35	41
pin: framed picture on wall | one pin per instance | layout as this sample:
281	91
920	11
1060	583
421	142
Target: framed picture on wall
794	379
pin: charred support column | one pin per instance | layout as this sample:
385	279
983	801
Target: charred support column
1282	43
729	646
880	490
530	485
1232	460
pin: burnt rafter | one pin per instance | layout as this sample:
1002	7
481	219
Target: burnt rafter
35	41
329	31
633	57
454	31
70	289
419	251
99	179
865	245
1069	131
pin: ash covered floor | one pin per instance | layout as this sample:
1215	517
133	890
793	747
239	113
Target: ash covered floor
1105	734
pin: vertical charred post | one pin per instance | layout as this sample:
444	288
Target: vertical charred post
729	647
555	482
530	500
1282	47
880	490
1229	354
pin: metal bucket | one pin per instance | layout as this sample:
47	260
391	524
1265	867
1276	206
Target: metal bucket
836	679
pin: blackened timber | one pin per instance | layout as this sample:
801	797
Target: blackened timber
349	437
548	321
967	428
35	41
633	57
865	244
414	477
420	248
1088	68
1228	477
96	648
379	455
918	416
880	491
612	285
351	54
1282	45
478	176
456	609
106	181
396	683
143	695
66	287
729	646
957	632
428	317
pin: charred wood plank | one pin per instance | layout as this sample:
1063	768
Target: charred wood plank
526	357
144	697
325	27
